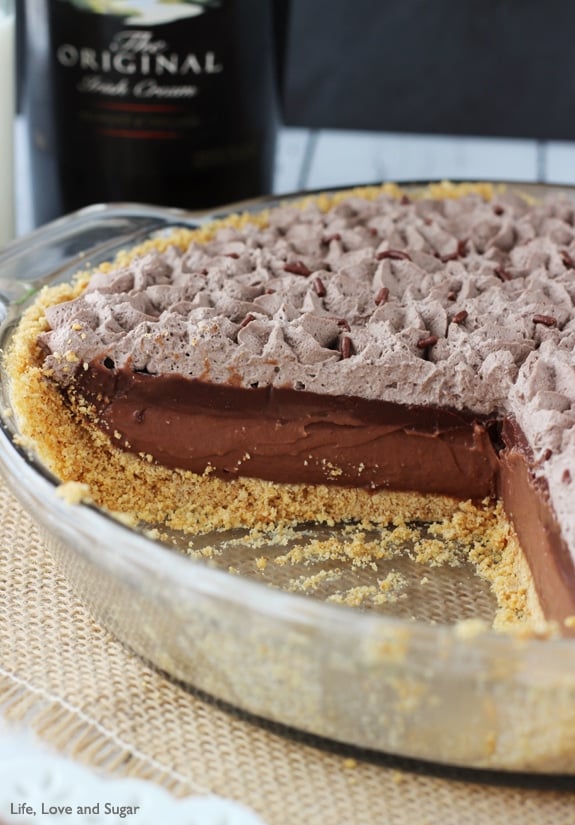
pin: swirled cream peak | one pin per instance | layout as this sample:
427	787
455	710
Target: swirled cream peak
457	303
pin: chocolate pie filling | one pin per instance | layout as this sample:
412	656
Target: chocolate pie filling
292	436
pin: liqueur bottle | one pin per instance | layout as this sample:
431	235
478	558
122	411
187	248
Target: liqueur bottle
152	101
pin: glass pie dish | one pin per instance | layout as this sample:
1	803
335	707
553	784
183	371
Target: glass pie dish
420	676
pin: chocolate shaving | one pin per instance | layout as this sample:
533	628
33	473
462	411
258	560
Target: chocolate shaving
502	274
342	322
460	252
546	320
566	477
498	210
247	320
394	254
329	238
319	287
428	341
382	296
297	268
346	347
460	316
451	296
231	255
567	260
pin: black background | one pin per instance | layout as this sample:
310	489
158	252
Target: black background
476	67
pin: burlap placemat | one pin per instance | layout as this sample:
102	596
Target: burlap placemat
87	696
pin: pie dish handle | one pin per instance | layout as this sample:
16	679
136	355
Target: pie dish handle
78	240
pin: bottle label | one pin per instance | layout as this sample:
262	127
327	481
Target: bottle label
153	100
142	70
139	62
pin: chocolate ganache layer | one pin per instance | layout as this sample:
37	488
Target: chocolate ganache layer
291	436
373	341
526	500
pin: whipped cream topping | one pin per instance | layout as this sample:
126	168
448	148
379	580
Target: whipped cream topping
463	303
427	302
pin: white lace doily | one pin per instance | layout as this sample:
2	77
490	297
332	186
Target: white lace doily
41	788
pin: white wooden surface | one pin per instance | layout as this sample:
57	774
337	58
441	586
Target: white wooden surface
314	159
311	159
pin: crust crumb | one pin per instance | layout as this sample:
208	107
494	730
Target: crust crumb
74	492
471	628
